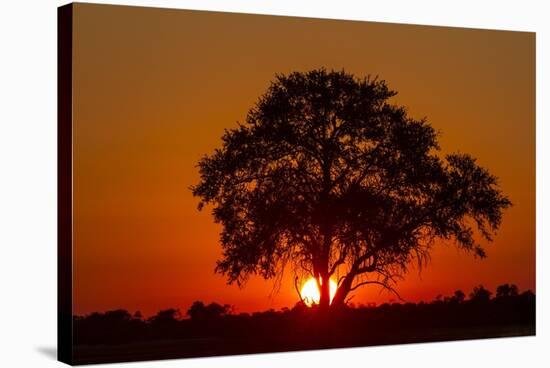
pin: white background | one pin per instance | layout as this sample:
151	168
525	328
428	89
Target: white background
28	182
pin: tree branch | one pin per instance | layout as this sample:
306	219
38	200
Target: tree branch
383	284
298	290
341	259
357	270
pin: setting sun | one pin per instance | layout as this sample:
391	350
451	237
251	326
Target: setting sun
310	291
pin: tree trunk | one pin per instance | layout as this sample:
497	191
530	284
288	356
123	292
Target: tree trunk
324	290
342	291
324	300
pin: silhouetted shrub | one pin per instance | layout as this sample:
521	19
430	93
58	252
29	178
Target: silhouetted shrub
307	327
199	311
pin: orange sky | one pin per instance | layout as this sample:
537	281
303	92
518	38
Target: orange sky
154	90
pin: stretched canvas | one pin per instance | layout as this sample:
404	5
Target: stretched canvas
235	183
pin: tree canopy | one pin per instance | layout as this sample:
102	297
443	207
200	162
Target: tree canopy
328	175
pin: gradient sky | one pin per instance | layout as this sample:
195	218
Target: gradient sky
154	90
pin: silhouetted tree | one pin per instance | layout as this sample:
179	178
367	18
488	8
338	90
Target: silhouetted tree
330	176
480	295
165	316
199	311
121	315
507	290
458	296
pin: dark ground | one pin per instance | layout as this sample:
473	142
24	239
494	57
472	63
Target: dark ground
215	346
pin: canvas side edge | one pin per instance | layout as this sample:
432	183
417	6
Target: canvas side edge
64	183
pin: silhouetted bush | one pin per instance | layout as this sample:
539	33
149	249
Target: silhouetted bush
304	327
480	295
199	311
507	290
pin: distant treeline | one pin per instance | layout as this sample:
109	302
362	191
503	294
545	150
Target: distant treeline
304	327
